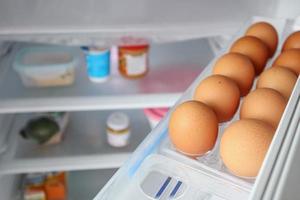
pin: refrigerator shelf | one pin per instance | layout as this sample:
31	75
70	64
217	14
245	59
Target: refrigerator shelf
171	59
104	22
84	145
156	154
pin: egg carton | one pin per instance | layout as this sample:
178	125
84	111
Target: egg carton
157	171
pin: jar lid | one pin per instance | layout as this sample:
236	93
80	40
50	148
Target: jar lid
128	41
118	121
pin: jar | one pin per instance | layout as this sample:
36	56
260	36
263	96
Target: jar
118	129
133	57
98	63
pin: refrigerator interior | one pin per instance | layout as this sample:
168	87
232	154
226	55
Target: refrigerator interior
84	146
157	171
104	23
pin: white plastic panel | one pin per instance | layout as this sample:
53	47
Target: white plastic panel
288	186
105	21
9	187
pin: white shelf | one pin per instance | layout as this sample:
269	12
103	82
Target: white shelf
180	62
84	145
77	22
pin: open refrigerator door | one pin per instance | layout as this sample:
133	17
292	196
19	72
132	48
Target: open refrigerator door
157	171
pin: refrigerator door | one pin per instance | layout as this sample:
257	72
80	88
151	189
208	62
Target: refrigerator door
280	176
157	171
288	186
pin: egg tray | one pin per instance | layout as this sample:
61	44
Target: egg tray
211	161
157	171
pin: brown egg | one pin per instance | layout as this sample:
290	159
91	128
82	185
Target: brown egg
264	104
239	68
193	128
255	49
289	59
221	94
267	33
292	42
278	78
244	145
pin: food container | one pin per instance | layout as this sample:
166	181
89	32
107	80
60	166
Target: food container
97	63
133	57
33	187
47	128
154	115
42	186
118	129
45	66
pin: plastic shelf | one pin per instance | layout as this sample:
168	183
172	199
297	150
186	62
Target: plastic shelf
108	20
174	60
84	145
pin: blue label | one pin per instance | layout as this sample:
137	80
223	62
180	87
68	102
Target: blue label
98	64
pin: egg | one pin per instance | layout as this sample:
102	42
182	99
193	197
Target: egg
221	94
255	49
237	67
193	128
267	33
264	104
292	42
278	78
244	145
289	59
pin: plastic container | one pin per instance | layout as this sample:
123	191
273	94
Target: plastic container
211	162
45	66
42	186
97	63
46	128
154	115
133	57
118	129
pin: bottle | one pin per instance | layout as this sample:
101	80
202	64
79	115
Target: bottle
98	63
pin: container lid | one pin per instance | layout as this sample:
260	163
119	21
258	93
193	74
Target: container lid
156	113
91	50
44	56
35	178
118	121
